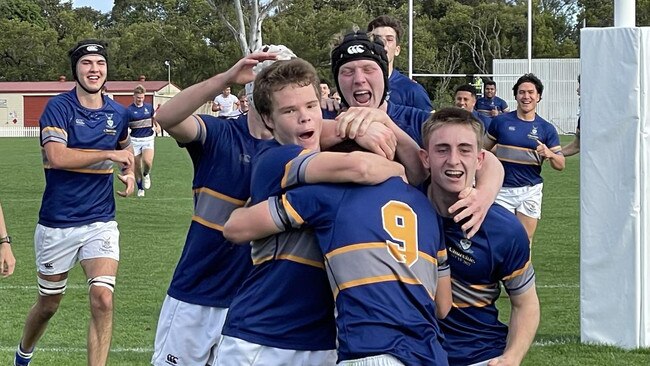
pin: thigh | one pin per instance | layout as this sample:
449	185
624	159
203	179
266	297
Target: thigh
147	155
531	202
187	334
507	198
138	146
101	241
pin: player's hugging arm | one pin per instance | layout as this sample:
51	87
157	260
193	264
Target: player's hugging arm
250	223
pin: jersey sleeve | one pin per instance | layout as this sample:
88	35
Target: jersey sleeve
278	169
492	129
553	139
516	270
54	122
421	99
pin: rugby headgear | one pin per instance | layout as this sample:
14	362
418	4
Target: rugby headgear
83	48
358	46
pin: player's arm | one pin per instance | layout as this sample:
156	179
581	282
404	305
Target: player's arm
355	167
216	107
524	320
250	223
555	158
175	116
7	259
572	147
443	296
378	139
476	202
60	156
128	175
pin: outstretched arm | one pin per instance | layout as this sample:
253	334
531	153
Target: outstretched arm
355	167
175	116
250	223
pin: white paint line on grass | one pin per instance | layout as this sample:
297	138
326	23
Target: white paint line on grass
560	285
146	199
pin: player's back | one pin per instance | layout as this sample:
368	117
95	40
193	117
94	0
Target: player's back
381	244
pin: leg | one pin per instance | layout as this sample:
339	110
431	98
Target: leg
138	175
51	288
101	276
147	163
530	224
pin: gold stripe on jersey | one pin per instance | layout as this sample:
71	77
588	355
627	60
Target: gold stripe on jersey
518	272
298	246
212	209
54	131
473	295
378	279
141	123
292	169
518	155
294	216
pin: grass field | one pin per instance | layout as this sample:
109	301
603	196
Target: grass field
153	229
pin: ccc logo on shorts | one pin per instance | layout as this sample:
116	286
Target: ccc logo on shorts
355	49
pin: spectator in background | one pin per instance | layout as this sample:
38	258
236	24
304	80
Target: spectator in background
574	146
465	98
226	104
402	90
489	104
7	260
335	95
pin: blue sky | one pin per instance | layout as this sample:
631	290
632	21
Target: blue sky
104	6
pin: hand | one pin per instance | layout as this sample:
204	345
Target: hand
123	157
129	181
472	205
242	71
7	260
330	105
502	361
494	112
356	120
379	139
544	151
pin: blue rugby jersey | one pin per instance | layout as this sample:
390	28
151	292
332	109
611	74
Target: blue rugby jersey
485	120
286	301
516	145
406	92
498	253
141	120
75	197
384	252
408	119
211	269
488	104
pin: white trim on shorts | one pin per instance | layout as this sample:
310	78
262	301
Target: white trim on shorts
525	200
59	249
187	334
142	143
483	363
238	352
378	360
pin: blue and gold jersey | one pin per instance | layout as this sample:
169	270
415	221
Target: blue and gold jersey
516	147
285	302
498	253
409	119
141	120
384	252
211	269
406	92
488	104
75	197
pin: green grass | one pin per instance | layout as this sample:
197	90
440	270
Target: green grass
152	234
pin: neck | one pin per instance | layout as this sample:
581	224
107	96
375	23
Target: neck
91	101
526	116
390	69
256	127
441	200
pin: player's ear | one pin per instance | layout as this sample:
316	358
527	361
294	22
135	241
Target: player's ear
397	50
424	157
479	159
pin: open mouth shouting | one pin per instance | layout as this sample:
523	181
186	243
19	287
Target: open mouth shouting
362	97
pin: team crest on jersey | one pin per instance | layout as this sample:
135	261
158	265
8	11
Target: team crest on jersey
110	125
465	245
533	134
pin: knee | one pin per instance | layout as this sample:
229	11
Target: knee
101	293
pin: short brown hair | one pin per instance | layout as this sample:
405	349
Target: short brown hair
387	21
452	116
139	89
277	76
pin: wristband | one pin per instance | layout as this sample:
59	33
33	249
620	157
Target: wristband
6	239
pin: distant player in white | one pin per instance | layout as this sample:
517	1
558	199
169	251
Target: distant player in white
226	104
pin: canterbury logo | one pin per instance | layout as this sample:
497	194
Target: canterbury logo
355	49
171	359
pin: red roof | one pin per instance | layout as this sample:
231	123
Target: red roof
63	86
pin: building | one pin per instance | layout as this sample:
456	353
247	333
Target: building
22	103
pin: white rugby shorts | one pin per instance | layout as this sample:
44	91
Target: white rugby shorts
142	143
526	200
59	249
187	334
238	352
379	360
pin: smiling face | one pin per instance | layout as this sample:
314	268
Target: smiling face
362	83
91	72
527	98
296	117
452	157
465	100
490	91
138	99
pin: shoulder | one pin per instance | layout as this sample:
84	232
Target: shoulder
504	223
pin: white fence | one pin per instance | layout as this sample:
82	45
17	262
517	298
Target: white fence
14	131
